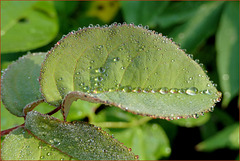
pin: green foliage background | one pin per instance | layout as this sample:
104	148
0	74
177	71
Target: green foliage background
208	30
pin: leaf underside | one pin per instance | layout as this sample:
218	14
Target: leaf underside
129	67
78	139
20	85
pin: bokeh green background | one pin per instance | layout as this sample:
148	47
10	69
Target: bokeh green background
207	30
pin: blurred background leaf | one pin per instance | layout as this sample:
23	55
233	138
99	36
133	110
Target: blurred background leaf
199	27
27	25
228	137
143	12
227	44
185	10
148	140
9	120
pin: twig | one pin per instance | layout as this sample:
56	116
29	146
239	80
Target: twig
4	132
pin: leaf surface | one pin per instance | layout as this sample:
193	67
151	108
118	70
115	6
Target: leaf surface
19	145
227	44
129	67
20	85
79	140
27	25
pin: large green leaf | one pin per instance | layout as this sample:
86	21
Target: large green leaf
227	43
27	25
129	67
78	139
228	137
19	145
197	29
20	85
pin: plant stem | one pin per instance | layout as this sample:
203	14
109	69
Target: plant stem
4	132
54	111
122	124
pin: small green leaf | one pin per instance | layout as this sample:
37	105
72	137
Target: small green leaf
79	140
191	122
227	43
8	120
202	25
228	137
129	67
27	25
20	85
19	145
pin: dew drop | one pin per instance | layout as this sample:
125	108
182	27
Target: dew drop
146	27
136	157
197	60
49	153
195	116
192	91
99	79
41	157
206	92
173	90
101	70
116	59
163	90
181	91
225	77
211	109
146	90
137	90
127	89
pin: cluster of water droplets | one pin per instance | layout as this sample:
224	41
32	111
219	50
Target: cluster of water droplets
79	140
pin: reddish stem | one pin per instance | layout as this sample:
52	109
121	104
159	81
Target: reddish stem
4	132
54	111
